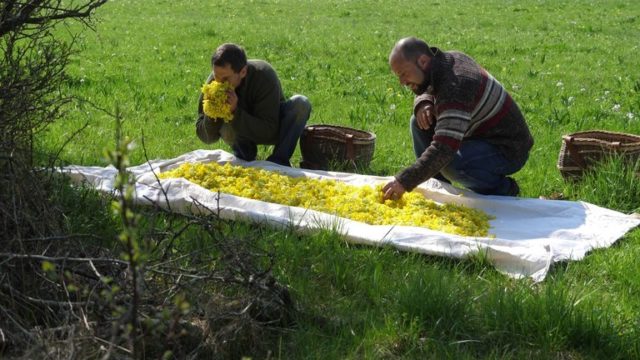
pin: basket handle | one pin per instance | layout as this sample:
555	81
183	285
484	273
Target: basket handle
350	150
308	131
573	152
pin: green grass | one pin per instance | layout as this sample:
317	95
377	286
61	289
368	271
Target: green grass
571	65
612	183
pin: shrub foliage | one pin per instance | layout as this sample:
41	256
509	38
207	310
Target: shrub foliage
68	287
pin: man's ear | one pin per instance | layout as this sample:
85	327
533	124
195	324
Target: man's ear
423	61
243	72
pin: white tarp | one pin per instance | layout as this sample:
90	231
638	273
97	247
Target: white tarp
530	234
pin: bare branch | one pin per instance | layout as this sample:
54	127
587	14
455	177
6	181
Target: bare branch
62	304
40	12
10	256
63	237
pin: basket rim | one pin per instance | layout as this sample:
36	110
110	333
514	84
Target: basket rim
582	135
336	132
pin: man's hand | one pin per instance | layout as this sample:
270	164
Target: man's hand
393	190
232	99
425	116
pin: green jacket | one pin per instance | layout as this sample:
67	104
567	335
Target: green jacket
257	117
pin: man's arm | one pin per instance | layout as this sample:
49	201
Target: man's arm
424	111
421	100
452	123
434	159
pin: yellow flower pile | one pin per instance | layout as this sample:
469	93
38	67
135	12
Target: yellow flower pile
214	100
361	203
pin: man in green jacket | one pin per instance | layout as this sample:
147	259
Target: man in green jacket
261	114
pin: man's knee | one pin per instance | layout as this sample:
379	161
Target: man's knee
458	169
452	173
301	106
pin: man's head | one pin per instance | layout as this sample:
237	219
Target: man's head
409	60
229	64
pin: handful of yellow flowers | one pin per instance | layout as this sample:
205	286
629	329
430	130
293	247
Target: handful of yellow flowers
360	203
214	100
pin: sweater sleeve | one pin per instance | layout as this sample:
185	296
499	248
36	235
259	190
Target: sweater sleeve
451	124
207	129
434	158
421	99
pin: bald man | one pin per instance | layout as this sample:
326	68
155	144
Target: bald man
465	126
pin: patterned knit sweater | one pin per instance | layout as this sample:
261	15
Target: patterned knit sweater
469	104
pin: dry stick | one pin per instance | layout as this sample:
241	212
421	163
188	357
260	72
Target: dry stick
173	290
41	301
17	324
93	267
66	292
178	258
166	197
68	140
11	256
63	237
111	345
199	277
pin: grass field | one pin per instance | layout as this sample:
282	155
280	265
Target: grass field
570	65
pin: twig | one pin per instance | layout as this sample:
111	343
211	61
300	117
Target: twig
28	14
10	256
17	324
197	277
69	304
111	344
68	140
93	267
164	192
62	237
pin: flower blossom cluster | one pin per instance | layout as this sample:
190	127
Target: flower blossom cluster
214	100
360	203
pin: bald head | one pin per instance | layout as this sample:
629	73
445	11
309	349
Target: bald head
410	49
409	60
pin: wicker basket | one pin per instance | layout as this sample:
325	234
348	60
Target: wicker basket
326	145
582	149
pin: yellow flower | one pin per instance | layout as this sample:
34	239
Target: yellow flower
214	100
360	203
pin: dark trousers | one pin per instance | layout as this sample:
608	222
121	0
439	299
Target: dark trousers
294	114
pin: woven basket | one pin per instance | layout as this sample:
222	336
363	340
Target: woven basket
581	150
326	145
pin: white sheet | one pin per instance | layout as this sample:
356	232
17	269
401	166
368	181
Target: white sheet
530	234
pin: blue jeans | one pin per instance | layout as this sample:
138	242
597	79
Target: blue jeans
477	165
294	114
